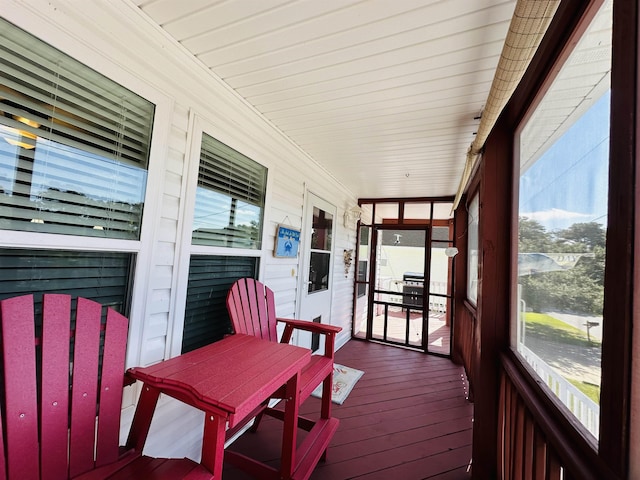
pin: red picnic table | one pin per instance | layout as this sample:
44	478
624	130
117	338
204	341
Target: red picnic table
228	380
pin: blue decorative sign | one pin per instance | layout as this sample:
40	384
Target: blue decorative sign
287	242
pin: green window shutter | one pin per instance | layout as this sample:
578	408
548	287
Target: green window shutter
210	276
74	145
101	276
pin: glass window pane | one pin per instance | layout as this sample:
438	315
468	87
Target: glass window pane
322	229
366	218
229	198
563	193
441	237
417	211
472	249
387	212
319	271
74	145
363	260
442	211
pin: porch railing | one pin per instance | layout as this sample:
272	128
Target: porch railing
535	442
397	293
586	410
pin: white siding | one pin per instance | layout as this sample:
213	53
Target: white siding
115	39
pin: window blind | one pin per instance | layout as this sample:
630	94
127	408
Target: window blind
206	319
100	276
229	197
74	145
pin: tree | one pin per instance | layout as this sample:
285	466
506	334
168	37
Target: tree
579	289
532	236
590	234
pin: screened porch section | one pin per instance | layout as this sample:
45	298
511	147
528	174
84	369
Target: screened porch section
405	274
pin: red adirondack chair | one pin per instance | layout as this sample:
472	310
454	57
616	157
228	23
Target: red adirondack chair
251	307
61	395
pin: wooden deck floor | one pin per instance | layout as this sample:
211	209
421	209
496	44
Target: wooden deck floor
439	332
407	418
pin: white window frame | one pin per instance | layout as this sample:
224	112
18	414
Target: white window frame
158	149
197	126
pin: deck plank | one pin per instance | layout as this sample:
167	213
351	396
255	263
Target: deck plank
407	418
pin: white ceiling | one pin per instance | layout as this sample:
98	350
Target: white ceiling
383	93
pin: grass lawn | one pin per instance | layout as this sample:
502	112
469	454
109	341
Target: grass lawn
549	328
589	389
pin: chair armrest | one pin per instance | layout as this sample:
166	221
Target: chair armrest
308	326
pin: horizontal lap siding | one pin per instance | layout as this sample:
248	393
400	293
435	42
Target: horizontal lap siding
162	272
102	35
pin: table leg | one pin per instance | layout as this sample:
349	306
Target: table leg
290	429
213	443
142	418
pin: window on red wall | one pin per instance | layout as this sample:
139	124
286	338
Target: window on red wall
472	249
562	221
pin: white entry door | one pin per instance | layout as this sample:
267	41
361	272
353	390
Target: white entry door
315	301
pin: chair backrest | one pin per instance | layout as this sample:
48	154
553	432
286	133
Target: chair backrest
61	389
252	309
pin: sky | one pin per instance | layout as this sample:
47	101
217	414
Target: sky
569	182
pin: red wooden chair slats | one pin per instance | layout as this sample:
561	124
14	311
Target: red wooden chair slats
85	386
251	307
113	364
72	398
21	408
55	385
250	316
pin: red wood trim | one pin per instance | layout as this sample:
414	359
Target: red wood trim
575	455
502	436
492	325
622	269
553	466
362	201
540	455
529	446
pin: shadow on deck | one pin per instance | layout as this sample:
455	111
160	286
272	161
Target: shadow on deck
407	418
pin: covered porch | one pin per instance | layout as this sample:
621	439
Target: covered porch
232	123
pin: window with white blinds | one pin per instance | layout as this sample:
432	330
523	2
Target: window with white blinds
74	145
229	198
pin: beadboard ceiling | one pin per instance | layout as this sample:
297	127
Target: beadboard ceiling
385	94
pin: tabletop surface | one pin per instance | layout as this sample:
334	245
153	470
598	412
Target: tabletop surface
234	375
